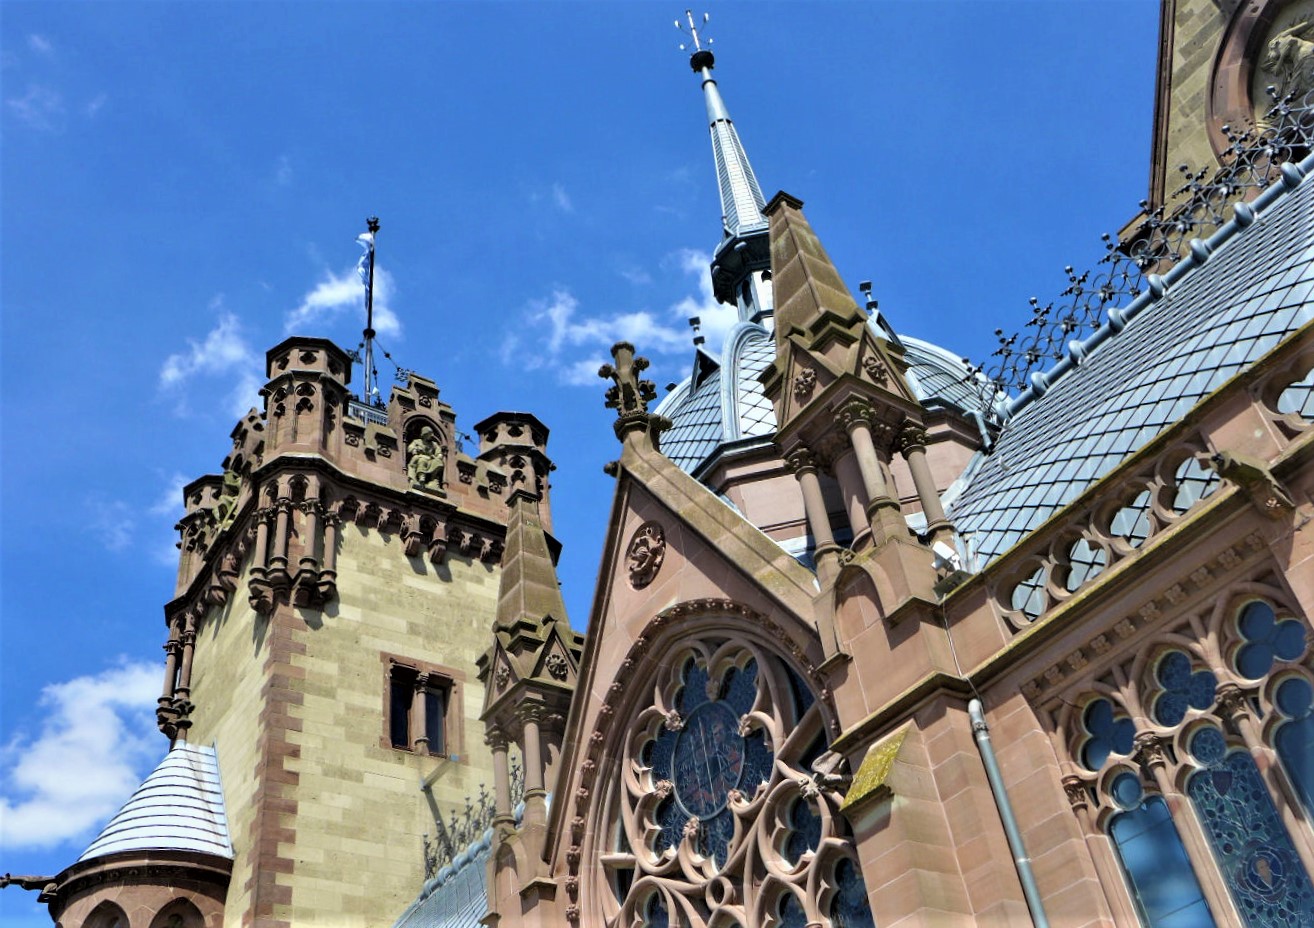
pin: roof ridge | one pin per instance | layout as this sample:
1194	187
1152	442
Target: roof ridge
1244	215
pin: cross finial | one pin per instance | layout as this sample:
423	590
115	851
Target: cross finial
692	31
629	394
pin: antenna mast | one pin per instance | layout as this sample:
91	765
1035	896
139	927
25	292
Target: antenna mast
371	375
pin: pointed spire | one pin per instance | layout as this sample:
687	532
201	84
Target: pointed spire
742	255
806	282
528	590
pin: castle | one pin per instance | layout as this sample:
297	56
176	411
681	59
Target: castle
879	638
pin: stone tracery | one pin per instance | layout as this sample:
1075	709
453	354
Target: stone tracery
719	818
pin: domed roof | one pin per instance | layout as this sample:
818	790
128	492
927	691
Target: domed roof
723	402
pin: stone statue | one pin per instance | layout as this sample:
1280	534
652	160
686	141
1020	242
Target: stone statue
1289	58
425	460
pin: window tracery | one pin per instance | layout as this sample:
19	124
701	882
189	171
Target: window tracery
720	818
1188	717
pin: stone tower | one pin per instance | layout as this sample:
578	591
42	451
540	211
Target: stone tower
336	585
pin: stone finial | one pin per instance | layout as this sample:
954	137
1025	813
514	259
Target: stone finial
629	395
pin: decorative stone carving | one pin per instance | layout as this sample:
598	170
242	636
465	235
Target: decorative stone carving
804	383
629	395
556	666
876	369
501	676
911	436
645	554
1288	61
425	460
1077	792
1151	750
801	459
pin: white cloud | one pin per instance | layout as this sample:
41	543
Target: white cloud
283	173
558	329
170	501
562	199
337	293
224	351
95	743
635	275
716	318
95	104
40	44
111	521
41	108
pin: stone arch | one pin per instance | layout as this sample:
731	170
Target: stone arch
106	915
180	913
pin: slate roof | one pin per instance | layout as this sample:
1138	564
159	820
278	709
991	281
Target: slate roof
178	807
1256	288
456	897
727	403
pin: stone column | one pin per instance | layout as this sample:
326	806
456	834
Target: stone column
882	508
1097	845
1151	752
171	653
311	540
282	529
803	464
912	445
420	714
533	748
497	740
1235	707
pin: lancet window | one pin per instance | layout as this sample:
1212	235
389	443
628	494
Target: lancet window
1187	718
721	818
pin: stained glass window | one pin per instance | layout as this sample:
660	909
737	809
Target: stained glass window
1252	848
1266	640
1107	734
791	912
850	908
655	914
1159	874
1295	738
1182	689
804	831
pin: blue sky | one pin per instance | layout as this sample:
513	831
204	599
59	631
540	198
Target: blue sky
183	184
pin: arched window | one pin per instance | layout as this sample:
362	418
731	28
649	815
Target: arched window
720	807
106	915
1294	740
1253	850
1153	858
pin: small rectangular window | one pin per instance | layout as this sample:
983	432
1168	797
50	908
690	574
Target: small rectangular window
418	700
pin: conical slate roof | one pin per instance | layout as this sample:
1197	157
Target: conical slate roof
179	807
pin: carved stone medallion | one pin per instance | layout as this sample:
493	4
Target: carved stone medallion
644	556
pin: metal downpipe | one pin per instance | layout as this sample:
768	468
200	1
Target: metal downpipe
1020	859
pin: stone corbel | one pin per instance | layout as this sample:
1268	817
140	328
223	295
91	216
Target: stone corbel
438	544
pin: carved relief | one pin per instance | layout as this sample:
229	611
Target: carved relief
556	666
876	369
804	383
645	553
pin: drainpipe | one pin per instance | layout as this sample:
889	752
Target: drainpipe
1020	859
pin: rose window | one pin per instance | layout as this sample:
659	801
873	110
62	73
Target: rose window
720	812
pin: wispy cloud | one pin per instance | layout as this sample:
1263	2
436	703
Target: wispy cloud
223	352
95	743
95	105
111	521
562	199
558	331
635	275
716	318
41	107
339	293
170	501
283	173
40	44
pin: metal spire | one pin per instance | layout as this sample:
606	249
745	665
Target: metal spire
741	197
741	265
366	268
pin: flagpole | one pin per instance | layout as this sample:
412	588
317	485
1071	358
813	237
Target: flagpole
372	223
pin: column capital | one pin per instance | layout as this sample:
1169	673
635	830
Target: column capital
497	740
1233	702
1150	750
802	460
910	436
854	413
1077	791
